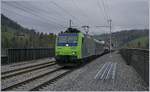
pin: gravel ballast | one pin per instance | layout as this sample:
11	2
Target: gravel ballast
21	64
82	79
17	79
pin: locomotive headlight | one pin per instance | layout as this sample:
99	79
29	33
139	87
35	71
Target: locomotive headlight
67	45
73	53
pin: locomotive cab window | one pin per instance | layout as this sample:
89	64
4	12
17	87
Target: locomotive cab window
62	39
71	40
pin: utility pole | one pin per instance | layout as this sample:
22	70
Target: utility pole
70	23
109	21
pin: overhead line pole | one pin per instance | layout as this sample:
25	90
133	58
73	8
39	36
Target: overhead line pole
110	36
70	23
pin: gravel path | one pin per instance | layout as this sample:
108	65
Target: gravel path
82	79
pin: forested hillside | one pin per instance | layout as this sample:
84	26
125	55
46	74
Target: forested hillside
14	35
128	38
141	42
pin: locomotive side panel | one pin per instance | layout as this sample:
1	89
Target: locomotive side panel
88	48
99	48
84	48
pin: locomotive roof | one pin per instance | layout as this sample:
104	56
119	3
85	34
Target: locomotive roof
72	30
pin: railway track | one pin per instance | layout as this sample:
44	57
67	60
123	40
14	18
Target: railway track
50	81
19	71
38	81
32	77
107	71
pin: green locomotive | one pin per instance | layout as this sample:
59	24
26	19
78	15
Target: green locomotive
74	47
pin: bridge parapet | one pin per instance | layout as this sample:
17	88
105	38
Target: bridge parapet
139	59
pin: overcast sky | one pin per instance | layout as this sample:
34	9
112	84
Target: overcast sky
54	15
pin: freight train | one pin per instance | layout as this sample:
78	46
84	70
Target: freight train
73	47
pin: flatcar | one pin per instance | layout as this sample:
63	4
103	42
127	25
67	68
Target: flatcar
75	48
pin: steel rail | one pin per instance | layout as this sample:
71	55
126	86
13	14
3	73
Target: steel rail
18	69
30	79
111	67
99	72
26	70
50	81
105	71
114	70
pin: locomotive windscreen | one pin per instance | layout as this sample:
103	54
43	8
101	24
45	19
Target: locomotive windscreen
67	39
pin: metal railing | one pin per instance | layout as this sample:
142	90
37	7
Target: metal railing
24	54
